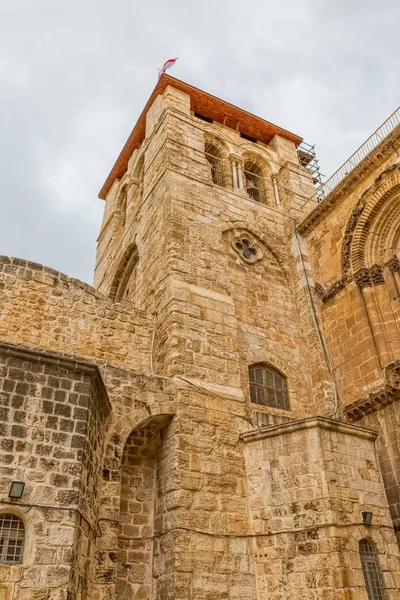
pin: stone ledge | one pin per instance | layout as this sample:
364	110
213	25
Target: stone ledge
309	423
346	185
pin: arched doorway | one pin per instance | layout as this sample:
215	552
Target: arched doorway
138	510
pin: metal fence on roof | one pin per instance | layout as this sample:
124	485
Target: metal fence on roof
362	152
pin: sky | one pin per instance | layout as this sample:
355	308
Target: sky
75	75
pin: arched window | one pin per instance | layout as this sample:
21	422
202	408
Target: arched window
214	157
121	287
253	174
372	571
12	539
268	387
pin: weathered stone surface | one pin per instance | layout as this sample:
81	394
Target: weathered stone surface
125	408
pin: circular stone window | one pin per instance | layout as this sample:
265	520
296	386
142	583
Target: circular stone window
248	249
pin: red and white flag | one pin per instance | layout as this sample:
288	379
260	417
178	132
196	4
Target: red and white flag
167	65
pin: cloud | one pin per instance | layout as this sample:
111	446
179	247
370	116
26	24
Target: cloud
75	76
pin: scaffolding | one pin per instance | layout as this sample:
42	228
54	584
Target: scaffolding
309	160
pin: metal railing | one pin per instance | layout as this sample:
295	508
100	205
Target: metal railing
255	187
362	152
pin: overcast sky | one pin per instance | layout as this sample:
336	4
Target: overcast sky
75	75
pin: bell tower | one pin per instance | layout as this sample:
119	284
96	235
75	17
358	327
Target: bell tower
198	230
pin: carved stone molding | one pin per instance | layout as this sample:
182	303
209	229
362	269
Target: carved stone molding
393	264
348	237
369	276
388	393
326	293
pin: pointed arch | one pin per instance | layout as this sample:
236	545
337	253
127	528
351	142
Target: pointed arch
256	178
216	154
124	273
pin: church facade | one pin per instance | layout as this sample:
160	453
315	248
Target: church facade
216	418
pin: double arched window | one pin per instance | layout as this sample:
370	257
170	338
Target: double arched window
12	539
372	571
268	387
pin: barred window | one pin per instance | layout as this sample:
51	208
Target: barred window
372	571
268	387
253	174
12	539
214	158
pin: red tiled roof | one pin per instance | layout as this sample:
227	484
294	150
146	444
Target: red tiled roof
206	105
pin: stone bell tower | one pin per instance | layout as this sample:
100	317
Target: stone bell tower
175	428
198	229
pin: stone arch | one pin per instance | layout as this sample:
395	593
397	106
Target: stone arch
138	509
138	170
373	227
123	274
28	555
216	154
268	357
256	178
280	395
216	132
260	153
107	564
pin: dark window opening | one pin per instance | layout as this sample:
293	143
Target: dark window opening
249	138
12	539
203	118
246	249
268	387
214	158
372	571
254	181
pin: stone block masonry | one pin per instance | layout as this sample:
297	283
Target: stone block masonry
52	422
44	308
309	482
153	468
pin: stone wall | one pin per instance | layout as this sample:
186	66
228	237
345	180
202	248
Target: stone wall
43	308
215	312
53	414
309	482
351	240
386	422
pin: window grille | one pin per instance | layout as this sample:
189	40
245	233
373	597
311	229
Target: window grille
372	571
214	157
254	181
12	538
268	387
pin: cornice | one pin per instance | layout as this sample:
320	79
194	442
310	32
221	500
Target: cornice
309	423
387	394
375	158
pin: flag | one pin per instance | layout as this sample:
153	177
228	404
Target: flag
167	65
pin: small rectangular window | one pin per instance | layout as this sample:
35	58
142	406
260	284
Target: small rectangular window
203	118
249	138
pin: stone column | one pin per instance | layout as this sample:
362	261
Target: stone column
366	279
